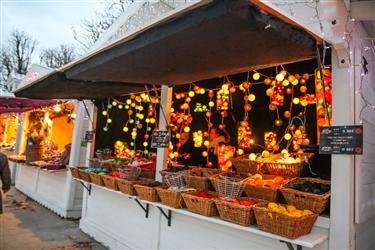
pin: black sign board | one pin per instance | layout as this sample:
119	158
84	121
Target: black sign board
89	136
341	140
160	139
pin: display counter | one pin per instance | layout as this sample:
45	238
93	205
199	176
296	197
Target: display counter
121	221
53	189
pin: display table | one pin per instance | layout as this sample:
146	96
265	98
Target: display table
119	221
55	190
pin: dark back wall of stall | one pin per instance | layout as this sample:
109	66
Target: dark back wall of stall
260	117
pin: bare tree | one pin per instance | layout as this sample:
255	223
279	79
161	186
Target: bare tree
91	29
58	57
16	56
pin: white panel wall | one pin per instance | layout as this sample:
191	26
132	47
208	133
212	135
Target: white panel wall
365	165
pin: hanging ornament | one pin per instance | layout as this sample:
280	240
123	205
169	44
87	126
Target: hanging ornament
278	122
225	155
270	140
223	96
244	134
198	138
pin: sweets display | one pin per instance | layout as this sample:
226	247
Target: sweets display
288	210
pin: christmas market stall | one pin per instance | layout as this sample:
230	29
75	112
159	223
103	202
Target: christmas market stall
223	135
44	154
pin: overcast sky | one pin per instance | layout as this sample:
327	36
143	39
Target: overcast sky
48	21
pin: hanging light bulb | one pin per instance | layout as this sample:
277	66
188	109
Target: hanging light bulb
57	108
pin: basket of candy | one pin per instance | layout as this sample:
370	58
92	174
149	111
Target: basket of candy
308	193
264	187
201	203
237	210
284	220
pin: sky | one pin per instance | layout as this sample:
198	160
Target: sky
48	21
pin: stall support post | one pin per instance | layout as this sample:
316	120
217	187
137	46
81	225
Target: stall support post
75	152
342	176
164	117
20	134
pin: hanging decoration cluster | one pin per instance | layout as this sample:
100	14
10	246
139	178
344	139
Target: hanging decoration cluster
141	111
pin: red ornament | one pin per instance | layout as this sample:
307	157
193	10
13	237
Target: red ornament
222	126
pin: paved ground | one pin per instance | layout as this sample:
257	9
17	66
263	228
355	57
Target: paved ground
27	225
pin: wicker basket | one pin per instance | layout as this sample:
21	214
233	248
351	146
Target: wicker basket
126	187
170	198
148	174
110	182
201	182
85	176
244	165
75	172
281	224
227	186
200	205
236	213
146	193
303	200
96	179
262	192
287	169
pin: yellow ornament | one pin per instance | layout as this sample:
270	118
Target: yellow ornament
104	112
211	104
296	100
285	82
187	129
240	151
206	143
256	76
204	154
125	129
251	97
191	93
145	144
287	136
252	157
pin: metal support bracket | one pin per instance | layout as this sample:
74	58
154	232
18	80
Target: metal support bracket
290	246
145	209
88	187
167	216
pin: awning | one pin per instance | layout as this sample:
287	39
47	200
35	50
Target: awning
18	105
56	86
220	38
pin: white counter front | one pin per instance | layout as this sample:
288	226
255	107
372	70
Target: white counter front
55	190
118	221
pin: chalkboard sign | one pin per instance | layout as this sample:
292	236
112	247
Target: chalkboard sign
89	136
160	139
341	140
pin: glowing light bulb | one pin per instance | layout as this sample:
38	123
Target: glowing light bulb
280	77
57	108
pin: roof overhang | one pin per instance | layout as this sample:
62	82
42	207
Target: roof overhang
20	105
212	40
